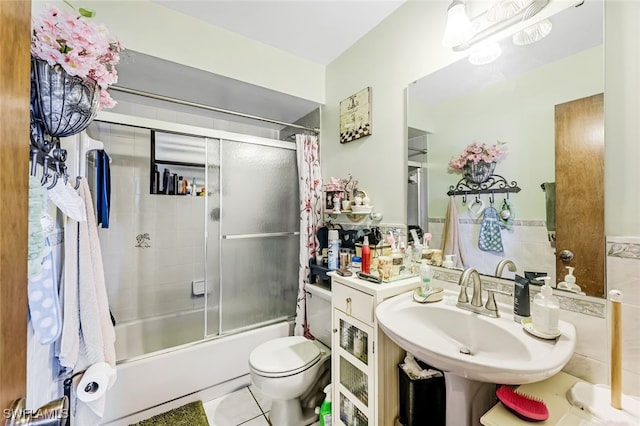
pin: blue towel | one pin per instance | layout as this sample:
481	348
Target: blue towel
103	188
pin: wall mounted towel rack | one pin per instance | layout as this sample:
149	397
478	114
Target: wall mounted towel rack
496	184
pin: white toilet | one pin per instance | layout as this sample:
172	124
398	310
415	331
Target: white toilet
293	371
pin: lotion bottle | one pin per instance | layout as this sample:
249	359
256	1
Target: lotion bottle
546	309
366	256
426	273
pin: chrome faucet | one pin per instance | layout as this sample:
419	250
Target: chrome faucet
502	264
490	308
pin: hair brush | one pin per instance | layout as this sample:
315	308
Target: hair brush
524	406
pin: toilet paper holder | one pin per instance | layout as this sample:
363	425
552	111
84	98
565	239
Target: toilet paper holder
54	413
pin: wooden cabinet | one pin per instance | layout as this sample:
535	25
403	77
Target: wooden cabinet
364	360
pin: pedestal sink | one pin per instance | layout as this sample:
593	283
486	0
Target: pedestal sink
475	351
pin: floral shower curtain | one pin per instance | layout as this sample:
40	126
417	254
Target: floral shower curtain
310	219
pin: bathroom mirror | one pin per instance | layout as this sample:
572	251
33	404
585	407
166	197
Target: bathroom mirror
512	100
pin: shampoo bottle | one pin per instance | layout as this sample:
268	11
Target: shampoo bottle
546	309
334	249
155	185
166	177
366	256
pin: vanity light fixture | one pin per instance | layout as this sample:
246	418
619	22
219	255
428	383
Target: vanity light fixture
506	9
485	54
533	34
500	17
459	29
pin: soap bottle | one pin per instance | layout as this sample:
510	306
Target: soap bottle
334	249
426	273
545	310
366	256
569	282
448	261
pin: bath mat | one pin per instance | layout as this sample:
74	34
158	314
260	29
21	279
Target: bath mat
192	414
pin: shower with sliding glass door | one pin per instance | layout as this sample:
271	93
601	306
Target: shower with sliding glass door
417	192
203	237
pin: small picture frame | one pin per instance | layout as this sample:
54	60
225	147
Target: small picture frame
355	116
329	198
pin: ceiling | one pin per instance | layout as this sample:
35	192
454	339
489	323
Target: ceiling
317	30
321	30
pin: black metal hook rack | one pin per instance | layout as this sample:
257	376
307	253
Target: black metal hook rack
496	184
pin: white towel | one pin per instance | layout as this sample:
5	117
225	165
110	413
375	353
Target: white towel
451	239
88	336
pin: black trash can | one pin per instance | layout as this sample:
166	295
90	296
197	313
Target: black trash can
422	401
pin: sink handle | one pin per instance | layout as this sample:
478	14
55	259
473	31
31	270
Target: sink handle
463	297
491	300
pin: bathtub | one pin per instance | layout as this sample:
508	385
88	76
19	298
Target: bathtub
203	370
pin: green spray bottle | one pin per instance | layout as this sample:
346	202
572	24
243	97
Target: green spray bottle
325	408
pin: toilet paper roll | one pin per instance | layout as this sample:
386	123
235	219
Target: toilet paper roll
95	382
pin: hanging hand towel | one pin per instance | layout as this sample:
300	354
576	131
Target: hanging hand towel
490	237
451	237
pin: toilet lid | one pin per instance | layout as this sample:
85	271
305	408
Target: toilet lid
284	355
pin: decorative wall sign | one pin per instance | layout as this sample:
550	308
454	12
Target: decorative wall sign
355	116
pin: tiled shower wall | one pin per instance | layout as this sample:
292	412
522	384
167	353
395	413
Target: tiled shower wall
154	246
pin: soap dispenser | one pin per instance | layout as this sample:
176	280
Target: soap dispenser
569	282
448	261
546	309
426	274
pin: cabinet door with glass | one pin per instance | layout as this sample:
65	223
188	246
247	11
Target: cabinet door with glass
353	344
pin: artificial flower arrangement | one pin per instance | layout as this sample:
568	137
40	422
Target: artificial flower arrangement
80	46
478	151
349	185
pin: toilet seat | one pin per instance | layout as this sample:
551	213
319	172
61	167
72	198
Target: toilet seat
285	356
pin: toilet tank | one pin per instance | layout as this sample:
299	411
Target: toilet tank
319	313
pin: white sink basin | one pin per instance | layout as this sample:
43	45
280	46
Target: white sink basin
473	346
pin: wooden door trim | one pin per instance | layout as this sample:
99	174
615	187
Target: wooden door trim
15	39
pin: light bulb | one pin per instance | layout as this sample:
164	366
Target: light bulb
459	28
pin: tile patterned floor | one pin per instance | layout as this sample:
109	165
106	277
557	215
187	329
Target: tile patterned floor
246	407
